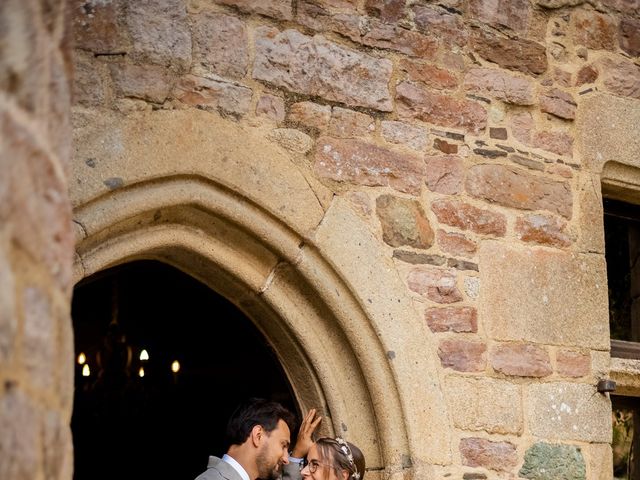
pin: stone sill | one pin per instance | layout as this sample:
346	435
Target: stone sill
626	373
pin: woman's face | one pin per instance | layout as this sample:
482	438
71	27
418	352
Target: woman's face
322	467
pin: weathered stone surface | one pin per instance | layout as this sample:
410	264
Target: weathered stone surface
444	25
629	36
435	284
468	217
558	103
271	107
621	77
500	85
563	302
8	315
527	162
472	287
348	123
389	11
452	319
444	174
498	133
439	109
20	439
292	139
280	9
462	355
213	95
593	30
560	169
148	82
502	13
310	114
39	338
97	26
570	363
404	134
392	37
430	75
456	243
88	84
514	187
479	452
522	360
213	34
587	74
160	33
517	54
562	77
557	3
545	460
556	142
462	264
444	146
316	66
492	405
403	222
521	125
419	258
543	229
362	163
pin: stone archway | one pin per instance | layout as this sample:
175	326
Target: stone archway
226	206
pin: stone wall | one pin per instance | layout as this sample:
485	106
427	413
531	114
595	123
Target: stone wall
451	130
36	241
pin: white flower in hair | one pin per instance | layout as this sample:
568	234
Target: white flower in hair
347	452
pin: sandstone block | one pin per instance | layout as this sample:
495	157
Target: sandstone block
521	125
271	107
213	95
452	319
147	82
430	75
494	406
479	452
403	222
160	33
348	123
436	284
98	26
444	146
543	229
517	54
393	37
558	103
316	66
213	34
620	77
502	13
563	302
462	355
404	134
310	114
8	314
444	25
570	363
280	9
514	187
560	169
361	163
444	173
500	85
422	104
546	460
389	11
522	360
39	340
20	440
593	30
88	85
456	243
629	36
467	217
560	143
292	139
587	74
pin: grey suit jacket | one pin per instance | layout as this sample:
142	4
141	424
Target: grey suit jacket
217	469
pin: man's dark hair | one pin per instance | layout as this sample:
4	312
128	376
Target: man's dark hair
256	411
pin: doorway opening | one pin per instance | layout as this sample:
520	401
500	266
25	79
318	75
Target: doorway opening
161	362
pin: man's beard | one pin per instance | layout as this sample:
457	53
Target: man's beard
265	470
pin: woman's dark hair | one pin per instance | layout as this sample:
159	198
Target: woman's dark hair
256	411
336	452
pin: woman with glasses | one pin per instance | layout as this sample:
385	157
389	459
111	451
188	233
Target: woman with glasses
325	459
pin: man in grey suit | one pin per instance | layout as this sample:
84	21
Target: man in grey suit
259	434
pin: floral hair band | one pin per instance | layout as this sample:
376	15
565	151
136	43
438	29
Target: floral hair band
344	448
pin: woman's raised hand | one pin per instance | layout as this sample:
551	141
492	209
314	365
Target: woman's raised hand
304	441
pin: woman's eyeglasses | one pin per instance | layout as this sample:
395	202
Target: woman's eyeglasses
312	465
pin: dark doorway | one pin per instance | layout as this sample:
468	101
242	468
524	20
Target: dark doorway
130	423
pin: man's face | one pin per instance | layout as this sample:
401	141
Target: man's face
274	452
